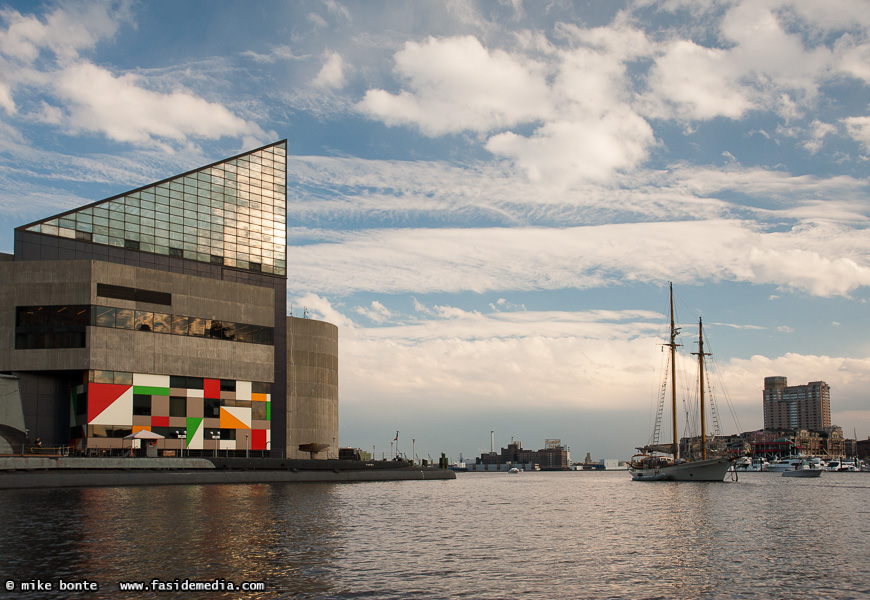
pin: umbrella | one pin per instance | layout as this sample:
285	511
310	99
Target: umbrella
142	434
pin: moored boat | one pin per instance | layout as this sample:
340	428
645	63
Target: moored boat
803	470
781	465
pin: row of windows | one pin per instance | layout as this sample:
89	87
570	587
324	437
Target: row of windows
211	407
141	320
63	326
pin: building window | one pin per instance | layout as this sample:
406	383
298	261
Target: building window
121	292
161	323
141	405
140	320
177	406
57	326
258	411
143	321
124	318
211	408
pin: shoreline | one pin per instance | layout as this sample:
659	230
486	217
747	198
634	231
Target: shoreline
65	472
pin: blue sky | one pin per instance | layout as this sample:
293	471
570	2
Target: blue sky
489	198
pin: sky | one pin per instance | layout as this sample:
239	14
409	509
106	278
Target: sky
489	199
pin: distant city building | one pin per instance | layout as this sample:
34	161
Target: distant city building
554	457
784	442
797	406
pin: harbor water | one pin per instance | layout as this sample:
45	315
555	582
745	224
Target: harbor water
533	535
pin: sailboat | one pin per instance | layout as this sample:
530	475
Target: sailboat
662	462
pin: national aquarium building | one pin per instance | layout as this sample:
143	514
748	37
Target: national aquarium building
165	309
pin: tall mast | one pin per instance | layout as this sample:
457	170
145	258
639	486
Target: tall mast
701	354
673	346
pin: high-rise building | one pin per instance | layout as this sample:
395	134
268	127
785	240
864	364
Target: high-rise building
797	406
165	308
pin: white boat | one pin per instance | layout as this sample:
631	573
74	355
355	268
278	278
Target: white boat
804	470
841	465
785	464
746	464
662	462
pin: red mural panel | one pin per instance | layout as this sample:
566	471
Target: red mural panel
159	421
101	396
258	439
211	388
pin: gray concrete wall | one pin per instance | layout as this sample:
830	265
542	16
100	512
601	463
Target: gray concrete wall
45	401
192	296
75	282
144	352
27	284
312	386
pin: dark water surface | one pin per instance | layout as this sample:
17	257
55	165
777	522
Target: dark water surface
532	535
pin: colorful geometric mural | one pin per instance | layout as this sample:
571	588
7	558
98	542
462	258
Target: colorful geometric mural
191	413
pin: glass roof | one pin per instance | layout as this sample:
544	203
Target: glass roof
231	213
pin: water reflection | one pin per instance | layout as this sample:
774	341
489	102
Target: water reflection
539	535
283	535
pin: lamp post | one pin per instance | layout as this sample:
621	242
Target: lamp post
182	435
215	437
413	450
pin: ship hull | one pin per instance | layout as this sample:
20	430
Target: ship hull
702	470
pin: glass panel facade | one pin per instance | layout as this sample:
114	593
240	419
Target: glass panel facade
63	326
232	213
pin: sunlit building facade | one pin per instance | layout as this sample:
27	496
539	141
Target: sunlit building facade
164	308
796	407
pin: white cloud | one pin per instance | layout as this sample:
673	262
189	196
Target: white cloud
466	362
456	84
825	260
377	312
124	110
561	153
490	360
859	129
572	110
819	131
772	56
331	75
64	31
278	53
84	97
698	82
